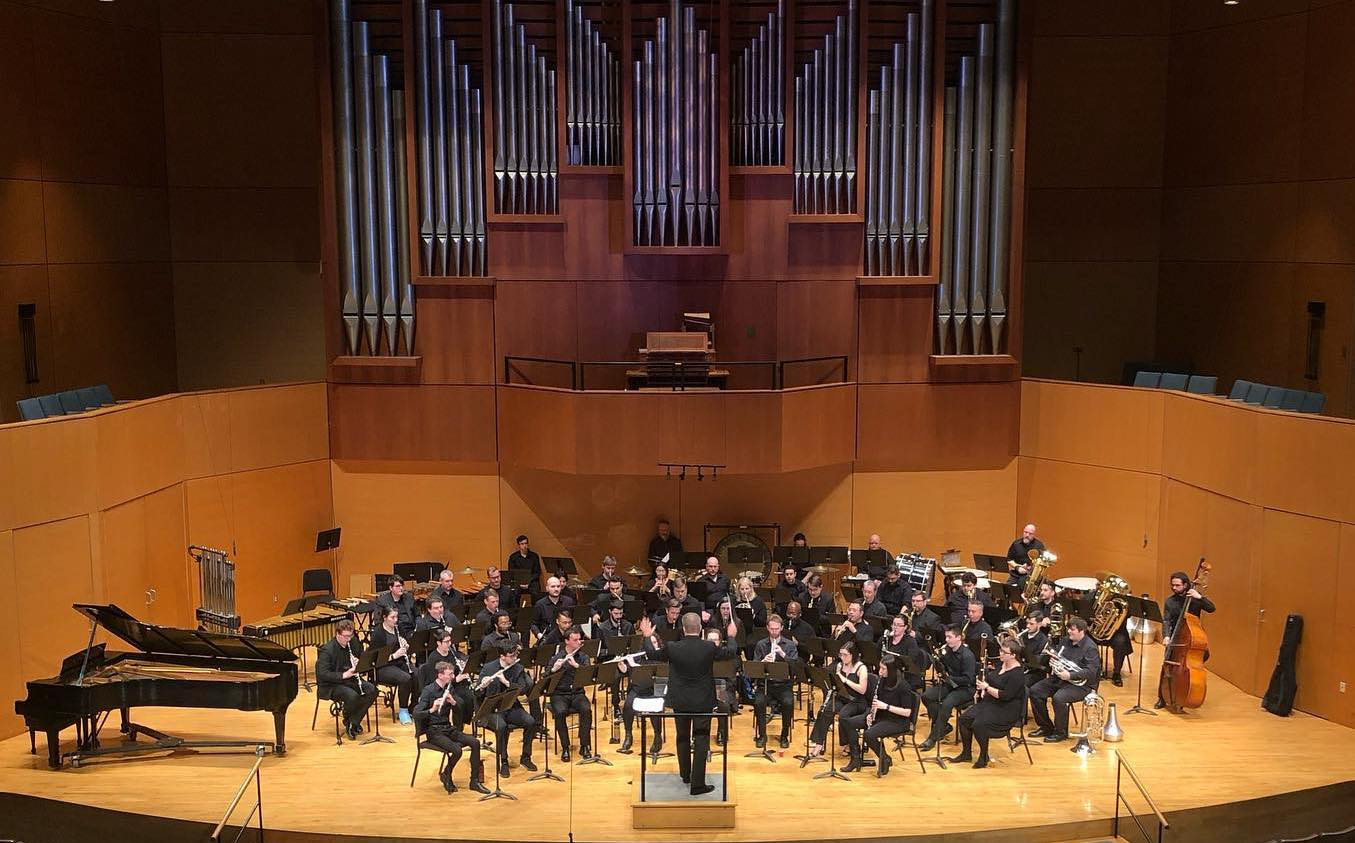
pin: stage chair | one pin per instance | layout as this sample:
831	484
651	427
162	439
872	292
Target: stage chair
71	402
1292	400
421	743
318	580
1202	384
30	409
1239	390
1172	380
1313	402
1020	727
335	711
1148	379
910	737
1256	394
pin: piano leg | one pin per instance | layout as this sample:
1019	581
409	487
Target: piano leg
280	727
53	748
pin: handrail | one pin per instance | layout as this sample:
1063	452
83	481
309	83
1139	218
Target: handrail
255	810
1162	824
577	368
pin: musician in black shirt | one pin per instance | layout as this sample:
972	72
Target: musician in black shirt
337	678
510	597
401	601
397	672
871	605
1065	686
686	600
788	588
967	590
849	699
956	669
568	698
1044	603
1018	557
503	674
443	651
527	560
796	628
607	574
904	647
817	602
453	601
446	724
503	637
894	592
894	703
436	617
669	619
854	628
665	547
611	592
876	570
564	622
717	584
975	627
1182	590
925	622
999	707
1033	640
616	625
485	617
774	648
545	609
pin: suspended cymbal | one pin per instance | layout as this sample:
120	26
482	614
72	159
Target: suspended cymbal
467	571
635	572
819	569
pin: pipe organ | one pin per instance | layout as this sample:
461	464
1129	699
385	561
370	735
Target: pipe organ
592	93
825	122
526	167
757	92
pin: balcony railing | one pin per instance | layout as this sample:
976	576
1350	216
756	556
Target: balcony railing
718	374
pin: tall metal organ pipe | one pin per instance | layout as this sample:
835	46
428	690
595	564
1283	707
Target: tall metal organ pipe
825	123
592	98
757	136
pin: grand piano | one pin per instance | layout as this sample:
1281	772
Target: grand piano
180	668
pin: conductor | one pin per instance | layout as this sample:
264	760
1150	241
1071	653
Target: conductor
691	690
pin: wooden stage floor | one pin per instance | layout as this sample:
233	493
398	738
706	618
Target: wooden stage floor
1228	751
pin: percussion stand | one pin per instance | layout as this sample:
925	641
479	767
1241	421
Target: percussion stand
1145	606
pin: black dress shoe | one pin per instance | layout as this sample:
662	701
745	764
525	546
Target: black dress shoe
447	784
760	741
853	765
655	747
1040	733
479	786
882	769
352	731
585	752
1159	704
1055	737
356	727
564	755
698	790
503	768
625	746
1117	681
926	745
981	763
962	757
785	741
527	764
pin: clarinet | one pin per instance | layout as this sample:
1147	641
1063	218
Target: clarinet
870	715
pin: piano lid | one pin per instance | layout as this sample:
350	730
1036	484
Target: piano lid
149	638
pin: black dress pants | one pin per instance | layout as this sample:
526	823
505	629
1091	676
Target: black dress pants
693	743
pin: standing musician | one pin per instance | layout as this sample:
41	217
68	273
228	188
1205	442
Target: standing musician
1018	557
497	676
569	698
684	599
967	590
607	575
503	637
1182	590
668	619
788	588
1073	675
871	605
876	570
894	592
453	601
854	628
746	597
484	618
436	617
975	627
337	677
509	595
956	670
525	559
891	712
616	625
397	671
904	648
666	547
1033	640
400	600
774	648
446	728
817	602
545	609
796	627
717	584
461	690
998	705
856	679
691	690
925	622
658	582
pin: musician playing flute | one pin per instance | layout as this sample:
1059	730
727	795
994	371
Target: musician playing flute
1074	672
569	698
774	648
446	728
998	708
497	676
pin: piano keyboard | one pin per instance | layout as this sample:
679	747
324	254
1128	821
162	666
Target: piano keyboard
311	628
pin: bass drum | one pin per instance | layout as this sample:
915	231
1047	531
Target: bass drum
743	552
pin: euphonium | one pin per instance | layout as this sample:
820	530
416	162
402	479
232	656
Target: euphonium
1093	724
1040	561
1056	613
1109	607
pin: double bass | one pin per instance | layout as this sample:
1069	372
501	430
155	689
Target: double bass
1183	682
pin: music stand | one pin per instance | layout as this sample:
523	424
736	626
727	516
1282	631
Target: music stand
642	673
725	669
869	652
491	705
592	676
768	672
694	560
544	684
828	555
796	557
838	686
699	589
372	659
1147	610
865	559
817	677
559	566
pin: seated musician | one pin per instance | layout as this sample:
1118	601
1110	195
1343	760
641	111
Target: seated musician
1018	557
453	601
337	678
746	597
904	648
1033	640
569	698
722	618
1073	680
615	625
876	570
925	622
659	582
607	575
1121	648
686	600
612	592
788	588
436	617
852	701
503	637
893	703
665	548
975	627
443	651
446	727
1182	590
485	617
854	628
564	622
894	592
545	609
1044	603
797	628
396	672
509	594
529	562
503	674
401	601
799	540
955	686
968	589
669	619
726	697
717	584
774	648
871	605
639	688
998	708
818	603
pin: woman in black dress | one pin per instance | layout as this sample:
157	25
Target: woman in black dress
1000	694
890	713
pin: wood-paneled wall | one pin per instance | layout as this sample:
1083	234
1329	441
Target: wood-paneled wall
1145	482
104	506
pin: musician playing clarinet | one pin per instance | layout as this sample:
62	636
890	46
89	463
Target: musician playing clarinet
337	677
957	668
396	672
1074	672
446	728
774	648
998	708
903	646
443	651
856	682
568	698
890	713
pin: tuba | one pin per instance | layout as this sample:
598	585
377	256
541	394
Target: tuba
1109	607
1040	561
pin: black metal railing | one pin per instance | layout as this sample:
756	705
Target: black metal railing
735	375
256	810
1162	824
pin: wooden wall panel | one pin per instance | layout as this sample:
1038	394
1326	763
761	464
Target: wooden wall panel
613	433
167	562
12	677
8	489
205	420
931	426
22	285
19	99
614	316
22	240
1306	465
1119	427
537	427
449	423
53	465
137	450
1343	653
692	428
1327	93
390	517
536	319
817	502
1211	444
818	427
245	224
277	425
752	434
121	547
106	223
52	569
1093	518
894	334
815	319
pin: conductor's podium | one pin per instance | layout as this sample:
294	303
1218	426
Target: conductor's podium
661	798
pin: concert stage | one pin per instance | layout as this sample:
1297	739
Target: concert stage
1229	765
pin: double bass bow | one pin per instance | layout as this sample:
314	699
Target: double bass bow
1183	681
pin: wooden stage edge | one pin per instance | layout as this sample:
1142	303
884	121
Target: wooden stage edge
1230	772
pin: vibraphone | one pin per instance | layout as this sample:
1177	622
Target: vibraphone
296	632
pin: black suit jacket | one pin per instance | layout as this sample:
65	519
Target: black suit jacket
691	671
331	661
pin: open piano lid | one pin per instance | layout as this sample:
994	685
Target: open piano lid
149	638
